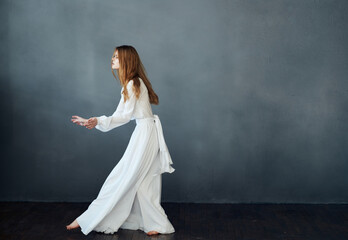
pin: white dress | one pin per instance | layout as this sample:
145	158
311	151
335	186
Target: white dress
130	196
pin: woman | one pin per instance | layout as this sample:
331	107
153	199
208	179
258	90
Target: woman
130	196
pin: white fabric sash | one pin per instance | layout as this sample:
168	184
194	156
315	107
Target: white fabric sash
163	154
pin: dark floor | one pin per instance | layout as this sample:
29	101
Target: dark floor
28	220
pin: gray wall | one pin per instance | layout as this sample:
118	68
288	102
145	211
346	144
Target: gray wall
253	97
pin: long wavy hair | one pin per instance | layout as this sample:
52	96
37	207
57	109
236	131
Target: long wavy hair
131	68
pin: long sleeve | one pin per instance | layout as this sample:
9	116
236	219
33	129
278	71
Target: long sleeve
123	113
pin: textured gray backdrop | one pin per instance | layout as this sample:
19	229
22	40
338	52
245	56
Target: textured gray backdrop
253	97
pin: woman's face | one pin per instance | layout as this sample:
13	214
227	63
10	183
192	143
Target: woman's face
115	62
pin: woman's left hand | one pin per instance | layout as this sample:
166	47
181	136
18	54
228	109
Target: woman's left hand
91	123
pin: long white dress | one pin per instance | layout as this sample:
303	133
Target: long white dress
130	196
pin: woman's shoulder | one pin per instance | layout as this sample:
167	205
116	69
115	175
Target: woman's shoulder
130	84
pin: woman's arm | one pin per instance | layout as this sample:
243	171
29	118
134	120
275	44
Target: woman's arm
122	115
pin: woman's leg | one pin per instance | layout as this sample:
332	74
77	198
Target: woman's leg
154	217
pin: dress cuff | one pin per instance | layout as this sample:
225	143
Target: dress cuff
98	123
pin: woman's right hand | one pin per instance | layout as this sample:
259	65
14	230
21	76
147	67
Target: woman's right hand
79	120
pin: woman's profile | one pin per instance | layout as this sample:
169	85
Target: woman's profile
130	196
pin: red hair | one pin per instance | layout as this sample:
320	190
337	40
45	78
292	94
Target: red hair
131	68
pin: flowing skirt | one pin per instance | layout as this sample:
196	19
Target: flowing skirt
130	196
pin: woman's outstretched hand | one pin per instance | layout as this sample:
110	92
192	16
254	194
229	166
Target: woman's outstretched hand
88	123
79	120
91	123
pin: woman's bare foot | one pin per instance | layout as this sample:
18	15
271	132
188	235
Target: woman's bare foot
152	233
73	225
